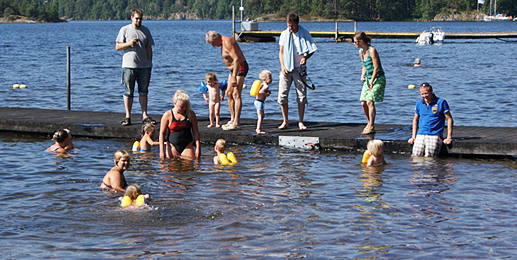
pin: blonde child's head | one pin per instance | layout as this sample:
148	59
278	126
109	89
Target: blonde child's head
119	155
133	191
220	145
148	127
264	74
376	147
210	77
60	136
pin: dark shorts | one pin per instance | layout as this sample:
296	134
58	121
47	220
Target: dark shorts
142	78
243	69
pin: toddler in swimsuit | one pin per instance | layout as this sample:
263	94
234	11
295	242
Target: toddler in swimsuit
133	197
376	149
147	138
220	147
114	180
63	142
264	92
213	99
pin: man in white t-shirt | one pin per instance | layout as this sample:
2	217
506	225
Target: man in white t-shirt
296	47
136	41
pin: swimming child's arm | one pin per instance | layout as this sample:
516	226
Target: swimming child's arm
216	159
151	142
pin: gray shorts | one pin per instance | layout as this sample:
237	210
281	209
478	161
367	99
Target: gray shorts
259	105
427	145
285	85
141	76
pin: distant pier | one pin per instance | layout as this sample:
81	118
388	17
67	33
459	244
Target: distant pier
467	140
346	36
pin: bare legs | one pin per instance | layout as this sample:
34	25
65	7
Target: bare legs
128	105
285	115
369	112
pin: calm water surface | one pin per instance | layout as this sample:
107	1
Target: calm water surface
275	203
476	77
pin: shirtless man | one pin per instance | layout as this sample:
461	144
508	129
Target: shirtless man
236	63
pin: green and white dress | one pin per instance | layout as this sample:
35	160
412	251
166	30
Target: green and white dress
377	92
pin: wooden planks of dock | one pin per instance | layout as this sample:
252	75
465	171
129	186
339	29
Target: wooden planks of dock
467	140
343	35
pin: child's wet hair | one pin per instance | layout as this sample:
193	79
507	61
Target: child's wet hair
60	135
375	147
210	76
221	145
133	191
263	74
119	155
148	127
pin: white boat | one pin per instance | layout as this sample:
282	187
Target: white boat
498	18
428	37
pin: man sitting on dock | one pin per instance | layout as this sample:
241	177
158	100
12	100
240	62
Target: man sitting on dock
237	64
429	122
296	46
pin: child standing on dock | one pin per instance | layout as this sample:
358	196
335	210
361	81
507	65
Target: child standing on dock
264	92
147	142
214	98
114	180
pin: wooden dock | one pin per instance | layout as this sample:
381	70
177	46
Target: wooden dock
256	36
467	140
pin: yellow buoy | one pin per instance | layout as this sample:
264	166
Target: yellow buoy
243	86
136	146
366	156
23	86
15	86
411	86
255	88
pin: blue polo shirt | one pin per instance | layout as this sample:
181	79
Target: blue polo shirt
431	118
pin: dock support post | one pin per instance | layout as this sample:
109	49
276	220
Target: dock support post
233	22
337	33
68	77
355	26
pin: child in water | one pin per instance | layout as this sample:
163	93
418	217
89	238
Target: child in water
70	145
220	147
62	140
114	180
147	142
213	100
133	197
376	149
264	92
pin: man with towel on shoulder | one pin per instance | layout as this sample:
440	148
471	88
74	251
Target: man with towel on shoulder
296	46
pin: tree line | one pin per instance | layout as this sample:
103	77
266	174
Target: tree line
361	10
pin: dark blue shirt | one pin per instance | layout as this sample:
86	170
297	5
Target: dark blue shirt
431	117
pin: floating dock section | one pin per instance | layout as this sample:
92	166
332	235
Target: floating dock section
467	140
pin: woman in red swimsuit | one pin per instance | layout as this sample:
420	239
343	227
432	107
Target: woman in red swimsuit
178	130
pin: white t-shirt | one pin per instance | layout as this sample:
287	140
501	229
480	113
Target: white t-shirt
296	41
137	56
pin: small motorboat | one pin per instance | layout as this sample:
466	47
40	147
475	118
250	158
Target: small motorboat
428	37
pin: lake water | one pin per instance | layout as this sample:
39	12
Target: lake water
476	77
276	203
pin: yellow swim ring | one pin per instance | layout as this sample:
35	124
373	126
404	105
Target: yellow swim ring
366	156
255	88
140	200
136	146
126	201
227	159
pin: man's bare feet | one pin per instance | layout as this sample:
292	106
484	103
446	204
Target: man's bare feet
283	126
301	126
260	132
210	126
